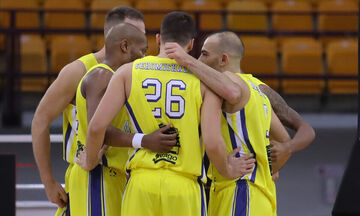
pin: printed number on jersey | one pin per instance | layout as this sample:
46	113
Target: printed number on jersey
170	98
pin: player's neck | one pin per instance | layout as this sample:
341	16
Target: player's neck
100	55
162	53
112	63
232	68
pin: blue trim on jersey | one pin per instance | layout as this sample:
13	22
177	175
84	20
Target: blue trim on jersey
203	207
247	140
95	191
232	136
241	199
67	211
131	112
104	160
67	136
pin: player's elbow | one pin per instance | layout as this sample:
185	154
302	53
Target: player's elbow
94	129
39	122
311	133
233	95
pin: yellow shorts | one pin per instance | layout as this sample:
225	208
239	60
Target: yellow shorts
240	198
65	211
96	193
163	192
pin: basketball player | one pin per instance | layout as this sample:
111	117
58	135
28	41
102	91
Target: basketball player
248	127
60	98
159	91
230	92
124	43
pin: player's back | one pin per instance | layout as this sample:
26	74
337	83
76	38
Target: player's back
163	92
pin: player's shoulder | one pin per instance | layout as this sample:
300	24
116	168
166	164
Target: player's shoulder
73	69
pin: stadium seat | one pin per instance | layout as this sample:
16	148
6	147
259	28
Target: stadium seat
152	11
33	60
247	22
291	22
97	19
153	48
23	19
333	22
260	49
210	17
67	48
342	59
64	20
302	57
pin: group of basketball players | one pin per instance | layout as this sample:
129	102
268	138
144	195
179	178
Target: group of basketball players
131	126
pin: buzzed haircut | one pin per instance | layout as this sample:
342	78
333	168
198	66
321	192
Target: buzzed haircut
230	43
177	27
118	15
123	31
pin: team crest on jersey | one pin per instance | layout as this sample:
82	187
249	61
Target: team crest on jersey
127	127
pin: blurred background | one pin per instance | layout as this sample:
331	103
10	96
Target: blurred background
307	50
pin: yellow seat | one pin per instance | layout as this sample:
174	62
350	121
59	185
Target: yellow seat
151	8
67	48
333	22
342	59
291	22
23	19
97	19
247	22
33	60
302	57
153	48
261	49
210	17
64	20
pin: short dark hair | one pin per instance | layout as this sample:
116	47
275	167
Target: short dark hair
177	27
118	15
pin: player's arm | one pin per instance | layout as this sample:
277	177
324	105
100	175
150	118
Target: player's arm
55	100
279	139
93	88
218	82
228	166
305	134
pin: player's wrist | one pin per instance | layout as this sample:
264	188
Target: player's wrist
137	140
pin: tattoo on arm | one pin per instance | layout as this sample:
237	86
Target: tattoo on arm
289	117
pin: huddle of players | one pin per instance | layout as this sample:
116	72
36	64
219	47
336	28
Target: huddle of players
165	171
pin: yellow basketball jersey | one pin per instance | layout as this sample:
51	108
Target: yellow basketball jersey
69	120
164	92
255	80
249	130
114	157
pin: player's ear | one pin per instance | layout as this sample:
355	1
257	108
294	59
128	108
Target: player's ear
124	46
190	45
224	60
158	39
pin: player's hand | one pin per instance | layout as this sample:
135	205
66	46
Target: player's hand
158	141
84	162
56	193
175	51
239	166
280	154
275	176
